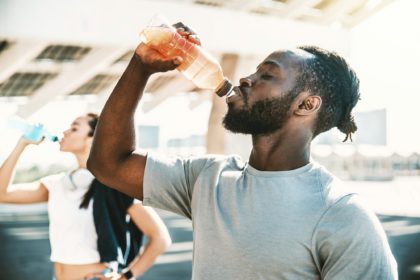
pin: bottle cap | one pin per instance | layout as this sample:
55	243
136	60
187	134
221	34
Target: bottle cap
225	88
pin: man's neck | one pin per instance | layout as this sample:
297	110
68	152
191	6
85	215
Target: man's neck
280	151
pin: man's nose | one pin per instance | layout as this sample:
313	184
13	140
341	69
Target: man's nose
247	82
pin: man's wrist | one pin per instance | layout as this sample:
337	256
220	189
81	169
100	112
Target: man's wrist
140	65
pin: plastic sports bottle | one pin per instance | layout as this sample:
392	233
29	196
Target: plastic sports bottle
31	132
197	65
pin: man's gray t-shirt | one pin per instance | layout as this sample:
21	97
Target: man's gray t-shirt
251	224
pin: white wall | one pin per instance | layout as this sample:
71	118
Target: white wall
385	53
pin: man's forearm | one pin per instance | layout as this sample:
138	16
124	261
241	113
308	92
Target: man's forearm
112	159
115	133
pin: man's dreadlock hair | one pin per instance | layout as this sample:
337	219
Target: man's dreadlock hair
329	76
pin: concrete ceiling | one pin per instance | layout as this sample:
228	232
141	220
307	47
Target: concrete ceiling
51	48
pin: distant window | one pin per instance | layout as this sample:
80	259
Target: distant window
24	84
371	130
63	53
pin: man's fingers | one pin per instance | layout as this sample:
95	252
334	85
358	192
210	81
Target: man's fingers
180	25
168	64
194	38
177	60
190	36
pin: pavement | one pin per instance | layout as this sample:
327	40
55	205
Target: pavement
25	249
404	238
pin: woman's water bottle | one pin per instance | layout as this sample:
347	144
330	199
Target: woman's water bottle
197	65
31	132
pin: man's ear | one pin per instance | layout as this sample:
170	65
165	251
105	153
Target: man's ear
308	105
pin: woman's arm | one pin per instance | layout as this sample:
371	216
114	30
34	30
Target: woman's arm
152	226
7	170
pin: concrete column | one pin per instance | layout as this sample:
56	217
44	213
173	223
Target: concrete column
216	132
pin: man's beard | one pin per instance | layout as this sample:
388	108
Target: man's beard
262	118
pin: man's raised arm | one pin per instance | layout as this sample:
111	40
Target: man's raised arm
112	159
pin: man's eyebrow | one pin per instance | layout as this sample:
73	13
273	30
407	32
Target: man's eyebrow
75	123
269	62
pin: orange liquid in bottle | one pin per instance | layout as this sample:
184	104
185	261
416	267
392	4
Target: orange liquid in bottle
198	66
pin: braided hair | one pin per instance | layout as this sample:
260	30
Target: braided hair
328	75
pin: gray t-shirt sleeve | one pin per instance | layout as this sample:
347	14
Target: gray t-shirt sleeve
350	243
168	182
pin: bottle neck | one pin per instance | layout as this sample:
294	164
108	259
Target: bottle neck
224	88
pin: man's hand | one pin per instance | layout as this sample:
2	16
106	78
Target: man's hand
155	62
187	32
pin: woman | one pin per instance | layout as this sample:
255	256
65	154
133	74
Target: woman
73	230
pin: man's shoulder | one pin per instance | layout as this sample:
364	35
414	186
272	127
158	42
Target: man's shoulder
333	188
343	204
198	162
192	157
225	159
219	162
340	201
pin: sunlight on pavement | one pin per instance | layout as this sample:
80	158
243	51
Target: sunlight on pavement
179	223
178	251
388	226
174	258
28	233
403	230
180	246
398	197
42	217
415	268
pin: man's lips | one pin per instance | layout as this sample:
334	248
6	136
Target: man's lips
233	95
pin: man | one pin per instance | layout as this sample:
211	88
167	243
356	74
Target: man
277	216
